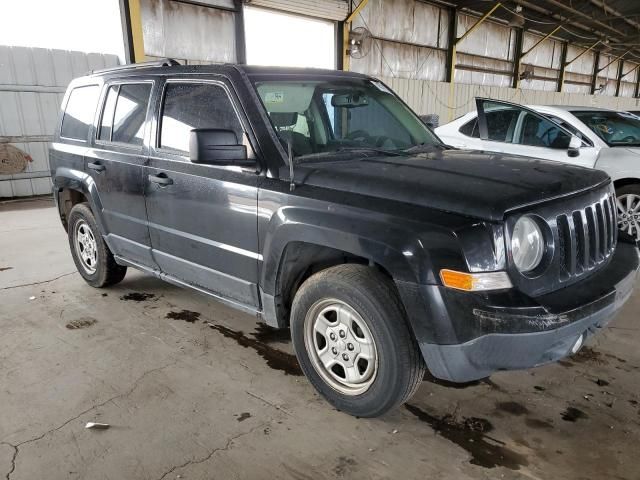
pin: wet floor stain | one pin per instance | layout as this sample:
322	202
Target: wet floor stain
572	414
185	315
587	354
514	408
345	466
243	416
137	296
447	384
266	334
79	323
3	269
538	424
276	359
471	435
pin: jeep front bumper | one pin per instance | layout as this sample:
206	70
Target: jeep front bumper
469	336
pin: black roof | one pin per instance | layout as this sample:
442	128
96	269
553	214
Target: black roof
171	66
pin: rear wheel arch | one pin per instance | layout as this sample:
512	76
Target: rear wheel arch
67	199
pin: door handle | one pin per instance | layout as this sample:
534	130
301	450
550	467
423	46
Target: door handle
161	179
97	166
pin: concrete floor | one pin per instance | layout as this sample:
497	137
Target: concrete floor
185	400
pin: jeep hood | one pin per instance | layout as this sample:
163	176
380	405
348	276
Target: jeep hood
471	183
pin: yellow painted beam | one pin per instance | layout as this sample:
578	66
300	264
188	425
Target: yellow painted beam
581	54
540	41
346	28
136	31
480	21
613	61
356	11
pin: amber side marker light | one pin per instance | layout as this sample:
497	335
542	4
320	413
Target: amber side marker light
475	282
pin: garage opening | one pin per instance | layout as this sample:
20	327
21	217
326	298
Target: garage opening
283	39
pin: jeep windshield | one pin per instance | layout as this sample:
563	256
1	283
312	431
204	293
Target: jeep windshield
617	129
318	118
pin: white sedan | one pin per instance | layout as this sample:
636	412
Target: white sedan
592	137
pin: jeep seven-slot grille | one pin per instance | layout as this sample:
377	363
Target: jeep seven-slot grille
587	237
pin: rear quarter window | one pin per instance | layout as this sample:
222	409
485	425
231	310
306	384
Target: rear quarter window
79	112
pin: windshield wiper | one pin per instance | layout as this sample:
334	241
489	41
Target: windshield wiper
425	147
395	153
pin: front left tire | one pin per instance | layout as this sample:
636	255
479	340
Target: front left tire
353	340
90	253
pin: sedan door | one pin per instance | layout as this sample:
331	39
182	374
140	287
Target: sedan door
116	163
202	218
533	135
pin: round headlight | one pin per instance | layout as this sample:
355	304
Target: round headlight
527	244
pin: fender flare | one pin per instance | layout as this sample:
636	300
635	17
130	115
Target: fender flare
72	179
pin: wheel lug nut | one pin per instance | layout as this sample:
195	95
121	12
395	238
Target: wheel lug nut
343	334
350	346
334	350
332	336
345	357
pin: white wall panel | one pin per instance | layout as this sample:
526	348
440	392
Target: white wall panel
437	97
32	84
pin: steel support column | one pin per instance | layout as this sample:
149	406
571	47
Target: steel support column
132	30
596	71
241	47
517	57
619	77
452	55
563	66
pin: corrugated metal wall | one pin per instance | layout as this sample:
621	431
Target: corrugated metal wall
191	33
32	84
434	97
411	38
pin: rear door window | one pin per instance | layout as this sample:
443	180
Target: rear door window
188	106
537	131
78	116
500	124
124	113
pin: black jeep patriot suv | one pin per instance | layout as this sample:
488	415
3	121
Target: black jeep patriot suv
319	201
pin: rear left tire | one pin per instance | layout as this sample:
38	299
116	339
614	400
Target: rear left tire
91	254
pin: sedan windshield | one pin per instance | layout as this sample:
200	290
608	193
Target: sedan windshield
615	128
321	117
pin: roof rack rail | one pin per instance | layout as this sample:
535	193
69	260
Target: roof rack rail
163	62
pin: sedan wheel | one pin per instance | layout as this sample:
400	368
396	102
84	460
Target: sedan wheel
629	214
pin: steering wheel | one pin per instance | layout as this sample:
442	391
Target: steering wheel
358	135
629	139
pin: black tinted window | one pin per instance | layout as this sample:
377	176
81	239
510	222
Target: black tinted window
188	106
470	129
79	113
124	113
500	124
537	131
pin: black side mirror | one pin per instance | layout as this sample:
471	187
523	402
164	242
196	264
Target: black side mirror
215	146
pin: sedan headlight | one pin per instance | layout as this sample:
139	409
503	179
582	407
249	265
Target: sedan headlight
527	244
